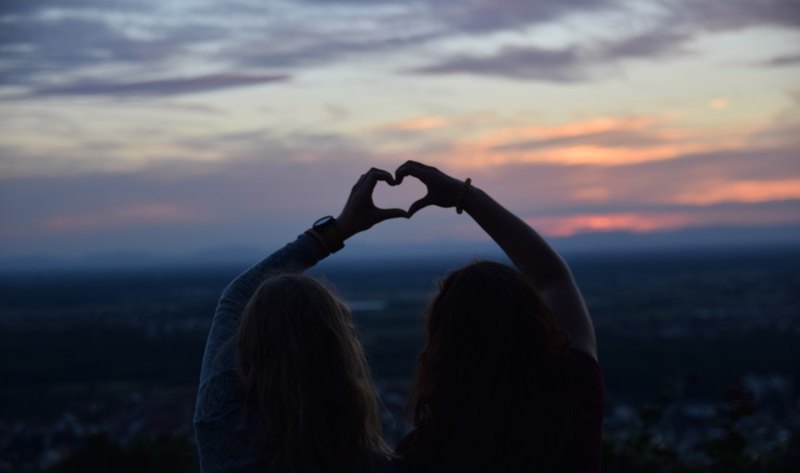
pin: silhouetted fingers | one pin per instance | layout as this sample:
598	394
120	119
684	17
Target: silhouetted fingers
412	168
374	175
419	205
386	214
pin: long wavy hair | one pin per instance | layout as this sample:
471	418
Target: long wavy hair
306	379
481	397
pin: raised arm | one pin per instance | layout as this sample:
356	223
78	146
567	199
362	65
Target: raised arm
359	214
225	441
532	255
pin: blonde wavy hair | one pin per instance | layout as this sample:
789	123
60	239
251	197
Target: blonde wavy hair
305	378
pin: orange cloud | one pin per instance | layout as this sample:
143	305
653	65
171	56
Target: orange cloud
587	223
742	191
606	141
415	124
647	222
597	125
130	215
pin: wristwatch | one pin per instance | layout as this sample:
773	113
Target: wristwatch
326	229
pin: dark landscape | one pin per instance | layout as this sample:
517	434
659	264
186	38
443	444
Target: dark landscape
700	349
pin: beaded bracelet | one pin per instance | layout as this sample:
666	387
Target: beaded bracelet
460	196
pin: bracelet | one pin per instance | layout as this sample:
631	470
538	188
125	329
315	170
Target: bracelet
460	196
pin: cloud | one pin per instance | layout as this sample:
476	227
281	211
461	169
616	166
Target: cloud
483	16
16	7
610	222
571	64
415	124
734	14
763	215
601	139
656	43
177	206
126	216
563	65
783	61
33	47
161	87
480	16
675	24
270	187
306	47
741	191
92	38
605	141
44	45
683	184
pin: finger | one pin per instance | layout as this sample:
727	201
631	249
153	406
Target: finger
386	214
374	175
419	205
410	168
359	181
383	175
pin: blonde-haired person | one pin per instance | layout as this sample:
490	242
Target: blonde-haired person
284	384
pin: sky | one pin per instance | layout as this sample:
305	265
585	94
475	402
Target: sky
170	127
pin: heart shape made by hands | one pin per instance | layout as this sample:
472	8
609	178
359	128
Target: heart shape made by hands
398	197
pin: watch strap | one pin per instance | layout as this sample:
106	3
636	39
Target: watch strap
326	232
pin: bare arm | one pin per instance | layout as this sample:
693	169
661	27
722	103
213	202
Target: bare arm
526	248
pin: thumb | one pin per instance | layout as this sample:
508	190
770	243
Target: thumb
419	205
386	214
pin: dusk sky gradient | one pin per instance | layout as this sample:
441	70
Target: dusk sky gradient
179	126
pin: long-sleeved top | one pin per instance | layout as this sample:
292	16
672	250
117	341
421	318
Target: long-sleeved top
227	439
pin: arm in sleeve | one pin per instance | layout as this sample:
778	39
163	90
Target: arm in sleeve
219	359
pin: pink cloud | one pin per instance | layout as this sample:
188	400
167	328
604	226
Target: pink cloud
131	215
602	141
747	191
608	222
648	222
415	124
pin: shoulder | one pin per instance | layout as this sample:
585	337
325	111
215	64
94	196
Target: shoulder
586	380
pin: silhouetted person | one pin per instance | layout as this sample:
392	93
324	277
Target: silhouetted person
508	379
284	385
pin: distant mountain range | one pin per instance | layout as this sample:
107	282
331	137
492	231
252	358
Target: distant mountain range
695	238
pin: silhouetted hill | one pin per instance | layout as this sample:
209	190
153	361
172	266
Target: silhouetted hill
719	237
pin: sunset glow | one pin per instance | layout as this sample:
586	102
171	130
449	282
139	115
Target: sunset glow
609	141
121	217
637	223
743	191
199	125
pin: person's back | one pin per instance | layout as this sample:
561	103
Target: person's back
508	379
498	388
284	385
305	379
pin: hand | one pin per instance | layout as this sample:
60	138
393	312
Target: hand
360	212
442	189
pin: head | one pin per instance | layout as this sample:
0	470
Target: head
305	377
492	347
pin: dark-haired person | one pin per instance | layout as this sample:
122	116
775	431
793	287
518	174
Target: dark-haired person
284	385
508	379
